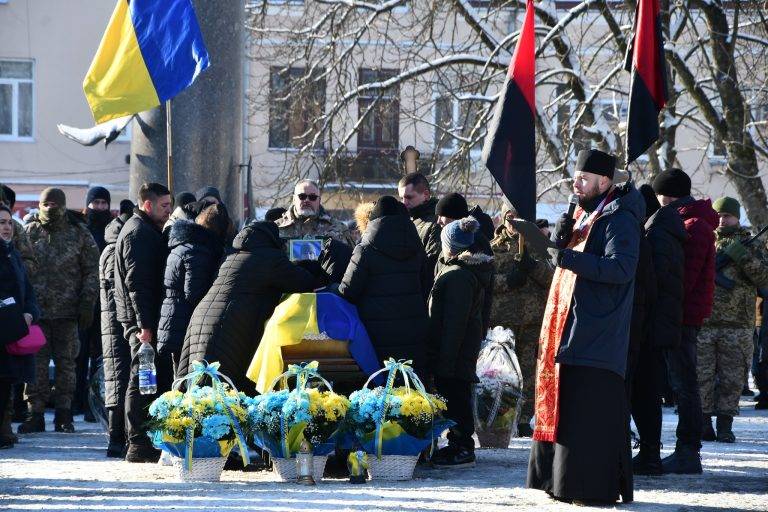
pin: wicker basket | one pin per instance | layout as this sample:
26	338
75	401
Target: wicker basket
392	467
494	437
285	469
203	470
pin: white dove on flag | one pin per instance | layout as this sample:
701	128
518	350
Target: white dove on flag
107	131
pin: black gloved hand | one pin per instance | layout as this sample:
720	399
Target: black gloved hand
564	230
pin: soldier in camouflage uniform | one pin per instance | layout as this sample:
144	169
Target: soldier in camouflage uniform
307	219
521	287
725	344
66	285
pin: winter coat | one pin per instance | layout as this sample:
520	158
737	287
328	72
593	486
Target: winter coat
227	325
455	315
736	307
425	220
666	234
67	280
319	226
190	269
97	222
521	285
334	259
140	255
700	221
114	347
15	283
596	332
645	295
385	280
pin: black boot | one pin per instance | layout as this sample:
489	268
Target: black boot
116	426
648	460
454	457
685	460
524	430
6	430
707	432
141	453
62	421
724	429
35	422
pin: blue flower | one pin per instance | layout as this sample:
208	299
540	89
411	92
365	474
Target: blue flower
216	426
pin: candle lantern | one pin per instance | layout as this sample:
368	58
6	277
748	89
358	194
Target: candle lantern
304	464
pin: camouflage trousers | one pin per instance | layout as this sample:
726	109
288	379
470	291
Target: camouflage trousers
526	349
724	355
62	345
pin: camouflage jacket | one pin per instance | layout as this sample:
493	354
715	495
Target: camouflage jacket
22	244
736	307
523	305
67	280
320	226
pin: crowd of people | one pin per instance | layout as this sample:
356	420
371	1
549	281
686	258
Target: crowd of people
643	289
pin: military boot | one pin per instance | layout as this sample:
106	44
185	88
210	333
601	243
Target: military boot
116	447
707	432
35	422
6	429
648	460
62	421
724	429
685	460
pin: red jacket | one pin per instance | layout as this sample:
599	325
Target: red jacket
700	223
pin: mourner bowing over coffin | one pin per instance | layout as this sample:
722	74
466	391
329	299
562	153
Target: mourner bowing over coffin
581	448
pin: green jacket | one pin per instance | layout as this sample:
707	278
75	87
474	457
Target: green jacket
67	281
736	307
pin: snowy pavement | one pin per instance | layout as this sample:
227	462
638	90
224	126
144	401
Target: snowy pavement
55	472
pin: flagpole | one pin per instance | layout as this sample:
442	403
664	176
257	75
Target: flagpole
169	144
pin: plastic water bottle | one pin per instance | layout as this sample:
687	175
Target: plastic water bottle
147	372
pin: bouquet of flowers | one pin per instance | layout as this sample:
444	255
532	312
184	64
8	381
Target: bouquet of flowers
281	420
204	422
396	420
498	395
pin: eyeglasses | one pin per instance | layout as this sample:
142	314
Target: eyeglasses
304	197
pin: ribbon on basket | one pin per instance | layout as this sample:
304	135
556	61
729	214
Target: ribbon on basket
303	373
392	368
200	370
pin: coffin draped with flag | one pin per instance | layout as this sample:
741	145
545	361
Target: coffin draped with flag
509	152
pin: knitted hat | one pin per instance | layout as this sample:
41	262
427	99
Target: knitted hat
387	205
672	183
10	195
727	205
596	162
274	213
126	206
55	195
97	193
208	192
459	234
184	198
452	206
652	204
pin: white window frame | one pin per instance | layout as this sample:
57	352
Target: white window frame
714	158
474	152
14	83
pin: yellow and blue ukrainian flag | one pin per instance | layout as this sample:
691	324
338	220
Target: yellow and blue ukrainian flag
151	51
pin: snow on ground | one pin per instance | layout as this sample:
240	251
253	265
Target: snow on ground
55	472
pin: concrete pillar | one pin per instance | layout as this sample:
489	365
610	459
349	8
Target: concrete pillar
207	117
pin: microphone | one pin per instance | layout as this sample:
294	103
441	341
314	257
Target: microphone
573	200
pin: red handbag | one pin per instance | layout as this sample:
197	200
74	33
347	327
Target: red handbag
29	344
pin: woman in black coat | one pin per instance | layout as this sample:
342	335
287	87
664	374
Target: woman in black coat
386	281
228	323
14	283
196	249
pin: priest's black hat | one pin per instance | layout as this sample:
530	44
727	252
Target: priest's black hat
596	162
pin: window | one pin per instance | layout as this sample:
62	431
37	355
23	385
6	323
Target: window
716	148
380	128
296	102
454	116
16	100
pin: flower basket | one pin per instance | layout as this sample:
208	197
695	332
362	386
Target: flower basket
283	419
285	469
392	467
201	425
395	421
498	395
202	470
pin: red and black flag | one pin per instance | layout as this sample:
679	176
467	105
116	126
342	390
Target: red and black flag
510	146
648	93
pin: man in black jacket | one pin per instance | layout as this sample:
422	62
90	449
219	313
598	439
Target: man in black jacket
139	265
414	192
